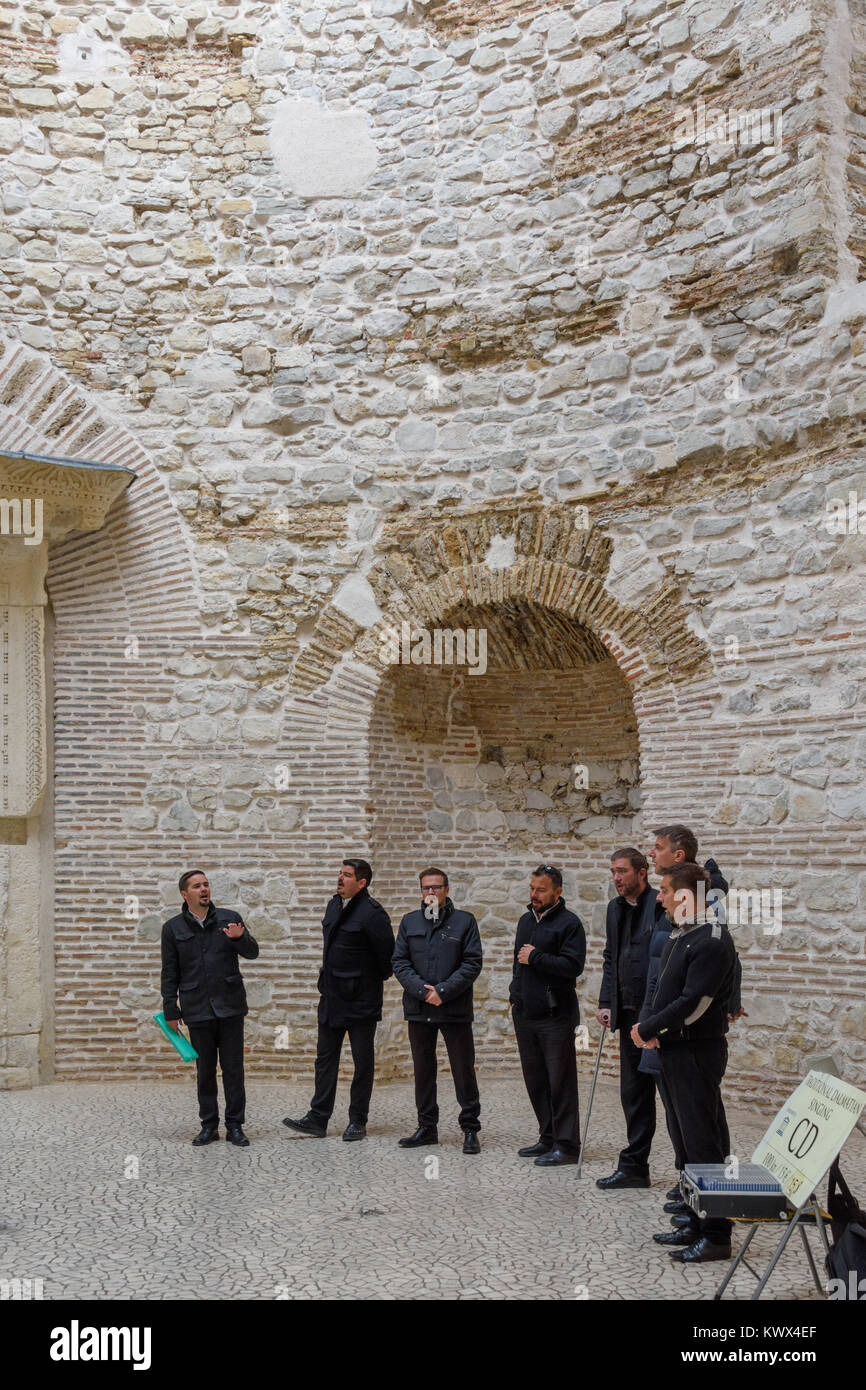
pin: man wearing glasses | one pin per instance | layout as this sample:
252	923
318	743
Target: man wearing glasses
549	954
437	959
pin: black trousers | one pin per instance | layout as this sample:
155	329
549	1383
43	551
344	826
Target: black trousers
460	1045
223	1037
692	1075
637	1092
328	1049
671	1122
547	1056
674	1129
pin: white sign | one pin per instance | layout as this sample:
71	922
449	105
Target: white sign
808	1133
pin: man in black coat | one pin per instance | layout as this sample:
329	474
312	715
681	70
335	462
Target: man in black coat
200	949
687	1023
549	954
630	922
437	959
358	943
640	1071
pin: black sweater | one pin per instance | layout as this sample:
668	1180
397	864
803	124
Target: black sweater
694	985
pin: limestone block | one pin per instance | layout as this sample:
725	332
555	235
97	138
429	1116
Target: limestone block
256	358
581	73
599	21
807	805
142	28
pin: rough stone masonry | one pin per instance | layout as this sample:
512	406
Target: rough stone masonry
544	319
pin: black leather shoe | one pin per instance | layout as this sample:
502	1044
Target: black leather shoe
676	1208
208	1134
701	1252
354	1131
674	1194
424	1134
622	1179
471	1144
534	1150
556	1158
681	1219
675	1238
307	1125
235	1135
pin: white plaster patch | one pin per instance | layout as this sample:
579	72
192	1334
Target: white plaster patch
793	26
84	54
500	553
321	153
843	303
356	599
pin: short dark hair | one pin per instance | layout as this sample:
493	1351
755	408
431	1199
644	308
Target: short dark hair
680	837
634	857
361	867
185	878
686	875
551	871
427	872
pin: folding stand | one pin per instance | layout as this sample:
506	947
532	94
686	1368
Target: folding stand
800	1219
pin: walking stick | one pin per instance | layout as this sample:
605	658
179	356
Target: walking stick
591	1096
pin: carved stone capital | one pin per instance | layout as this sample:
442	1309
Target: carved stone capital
43	499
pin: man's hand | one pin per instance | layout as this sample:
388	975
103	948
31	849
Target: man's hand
432	996
524	953
732	1018
174	1023
234	930
603	1016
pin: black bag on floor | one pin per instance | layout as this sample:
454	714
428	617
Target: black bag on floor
846	1261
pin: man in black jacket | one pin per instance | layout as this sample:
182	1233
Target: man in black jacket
549	954
688	1023
630	921
633	920
677	844
437	959
200	949
357	947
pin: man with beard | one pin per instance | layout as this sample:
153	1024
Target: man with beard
549	955
200	949
357	947
637	931
437	959
631	918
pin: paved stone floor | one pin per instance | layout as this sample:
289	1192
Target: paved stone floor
103	1197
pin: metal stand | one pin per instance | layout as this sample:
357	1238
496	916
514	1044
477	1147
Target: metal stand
591	1097
798	1221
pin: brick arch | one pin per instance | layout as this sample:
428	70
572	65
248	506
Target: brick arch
134	577
137	572
560	563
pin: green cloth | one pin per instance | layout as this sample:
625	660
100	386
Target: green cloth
177	1039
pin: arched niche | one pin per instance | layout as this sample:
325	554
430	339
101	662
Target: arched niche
485	775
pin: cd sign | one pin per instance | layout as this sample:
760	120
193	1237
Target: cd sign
808	1133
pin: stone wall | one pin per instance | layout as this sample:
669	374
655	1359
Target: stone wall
415	312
